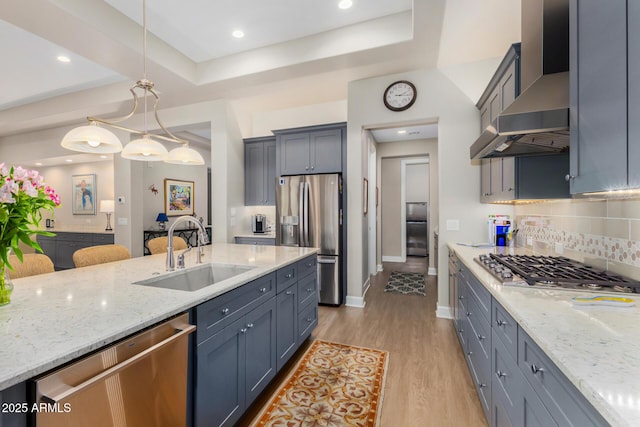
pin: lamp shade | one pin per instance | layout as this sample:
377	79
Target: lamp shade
91	139
106	206
162	217
145	149
184	156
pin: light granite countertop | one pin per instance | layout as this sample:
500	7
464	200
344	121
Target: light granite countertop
57	317
269	235
597	348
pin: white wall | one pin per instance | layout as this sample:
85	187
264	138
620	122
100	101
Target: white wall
264	122
417	183
459	181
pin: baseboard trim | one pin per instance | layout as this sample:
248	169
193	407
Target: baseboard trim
392	259
432	271
444	312
366	286
357	302
379	268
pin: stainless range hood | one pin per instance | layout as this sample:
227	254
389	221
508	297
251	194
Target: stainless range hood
537	121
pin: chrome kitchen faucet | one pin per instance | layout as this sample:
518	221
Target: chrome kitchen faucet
202	240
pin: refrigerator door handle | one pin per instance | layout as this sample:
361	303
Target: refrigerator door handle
301	231
326	260
306	214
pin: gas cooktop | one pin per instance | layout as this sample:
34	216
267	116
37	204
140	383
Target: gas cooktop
554	272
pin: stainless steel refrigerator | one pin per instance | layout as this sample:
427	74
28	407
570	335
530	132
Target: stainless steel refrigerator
309	214
417	229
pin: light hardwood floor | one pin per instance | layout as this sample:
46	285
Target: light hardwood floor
428	382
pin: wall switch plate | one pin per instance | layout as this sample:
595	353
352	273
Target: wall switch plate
453	225
529	241
559	248
120	200
123	221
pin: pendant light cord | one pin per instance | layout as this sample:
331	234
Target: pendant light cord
144	59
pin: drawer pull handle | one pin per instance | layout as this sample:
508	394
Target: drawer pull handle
501	374
309	289
263	290
500	322
288	275
461	297
225	311
535	369
481	337
470	353
243	330
482	385
309	319
250	325
461	330
469	313
288	293
310	264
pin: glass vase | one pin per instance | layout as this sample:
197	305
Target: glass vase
6	286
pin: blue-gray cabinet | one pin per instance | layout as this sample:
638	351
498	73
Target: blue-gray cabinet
604	58
258	240
260	171
310	150
244	337
14	414
60	248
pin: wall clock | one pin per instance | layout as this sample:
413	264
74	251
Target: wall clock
400	95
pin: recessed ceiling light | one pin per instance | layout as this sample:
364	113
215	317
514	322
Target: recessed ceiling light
103	156
238	34
345	4
38	164
402	132
63	58
68	160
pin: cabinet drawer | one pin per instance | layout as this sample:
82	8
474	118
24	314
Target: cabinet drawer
307	266
75	237
565	403
480	373
307	291
505	327
286	276
506	380
265	241
461	325
481	294
307	320
480	335
212	316
103	239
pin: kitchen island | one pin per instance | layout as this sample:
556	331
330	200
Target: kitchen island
596	348
57	317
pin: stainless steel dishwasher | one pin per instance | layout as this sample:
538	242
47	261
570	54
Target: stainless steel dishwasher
141	381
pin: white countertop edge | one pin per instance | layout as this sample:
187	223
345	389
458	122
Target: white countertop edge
44	364
466	255
257	235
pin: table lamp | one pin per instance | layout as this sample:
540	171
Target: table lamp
162	218
107	206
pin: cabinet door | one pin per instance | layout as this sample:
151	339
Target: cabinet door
287	324
326	151
220	378
496	178
509	87
508	177
270	173
494	104
294	154
633	51
254	185
484	117
485	179
48	245
64	253
260	366
598	88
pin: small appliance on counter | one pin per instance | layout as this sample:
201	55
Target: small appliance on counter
499	229
259	223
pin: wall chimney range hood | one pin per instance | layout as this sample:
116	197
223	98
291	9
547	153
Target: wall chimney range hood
537	122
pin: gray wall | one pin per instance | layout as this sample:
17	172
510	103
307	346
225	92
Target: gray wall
417	188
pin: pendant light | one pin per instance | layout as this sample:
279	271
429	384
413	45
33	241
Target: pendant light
95	139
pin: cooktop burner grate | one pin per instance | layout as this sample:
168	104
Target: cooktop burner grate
545	269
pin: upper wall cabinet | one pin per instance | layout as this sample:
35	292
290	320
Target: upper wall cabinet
310	150
604	68
260	171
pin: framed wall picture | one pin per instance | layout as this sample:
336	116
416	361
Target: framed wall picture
178	197
83	194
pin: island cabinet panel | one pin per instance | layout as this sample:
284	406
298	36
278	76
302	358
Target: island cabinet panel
13	400
264	241
243	338
310	150
287	323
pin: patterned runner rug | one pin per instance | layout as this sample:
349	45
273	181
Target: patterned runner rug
406	283
334	385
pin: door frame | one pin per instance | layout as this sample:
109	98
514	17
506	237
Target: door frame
403	200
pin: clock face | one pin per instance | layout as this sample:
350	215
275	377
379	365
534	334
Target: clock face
400	95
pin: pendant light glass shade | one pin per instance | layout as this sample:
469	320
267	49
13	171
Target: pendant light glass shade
145	149
184	156
91	139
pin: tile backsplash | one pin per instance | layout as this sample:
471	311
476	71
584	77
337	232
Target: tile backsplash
602	233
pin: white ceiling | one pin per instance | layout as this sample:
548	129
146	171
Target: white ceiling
303	51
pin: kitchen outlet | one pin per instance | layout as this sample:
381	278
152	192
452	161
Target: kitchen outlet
559	248
529	241
453	225
123	221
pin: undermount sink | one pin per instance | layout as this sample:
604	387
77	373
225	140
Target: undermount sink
195	278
